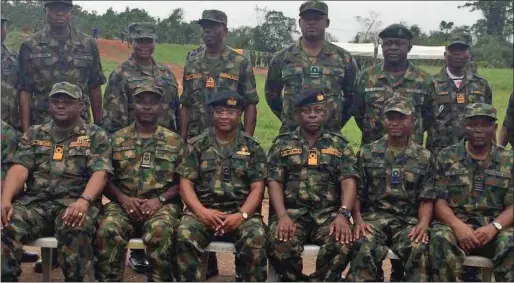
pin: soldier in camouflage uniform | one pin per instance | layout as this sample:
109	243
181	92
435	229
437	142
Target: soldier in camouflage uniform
55	54
475	205
312	187
455	87
10	103
507	131
143	190
311	62
396	195
222	185
9	144
397	76
215	68
140	67
65	163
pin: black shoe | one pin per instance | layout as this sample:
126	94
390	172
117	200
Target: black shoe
380	274
397	271
471	274
29	257
38	266
138	261
212	266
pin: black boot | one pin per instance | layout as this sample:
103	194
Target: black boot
38	266
471	274
397	270
380	274
29	256
212	266
138	261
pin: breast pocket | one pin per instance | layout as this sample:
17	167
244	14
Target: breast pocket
375	177
208	176
43	65
228	81
239	166
43	157
496	188
165	163
459	187
124	162
292	78
77	161
333	79
413	178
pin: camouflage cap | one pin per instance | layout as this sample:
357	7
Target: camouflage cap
480	109
310	96
399	104
213	16
226	98
396	31
65	87
314	5
458	38
48	2
147	87
142	30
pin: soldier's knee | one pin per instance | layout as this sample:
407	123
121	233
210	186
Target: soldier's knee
108	232
184	234
159	233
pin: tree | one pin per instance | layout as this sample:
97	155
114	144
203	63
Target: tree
241	37
498	17
275	33
369	28
446	27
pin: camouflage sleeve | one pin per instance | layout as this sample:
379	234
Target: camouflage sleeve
247	86
488	94
101	152
427	191
187	98
115	114
24	154
509	196
428	105
96	76
9	143
258	166
189	167
26	77
362	192
273	87
350	75
175	102
358	105
509	116
276	167
348	165
440	181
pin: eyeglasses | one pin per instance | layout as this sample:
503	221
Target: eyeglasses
227	111
65	102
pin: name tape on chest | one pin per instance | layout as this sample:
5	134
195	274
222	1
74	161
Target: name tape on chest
331	151
292	151
229	76
192	76
371	89
41	143
82	141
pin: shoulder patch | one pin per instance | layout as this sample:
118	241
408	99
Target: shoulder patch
282	136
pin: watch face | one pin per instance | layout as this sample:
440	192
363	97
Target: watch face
162	199
245	215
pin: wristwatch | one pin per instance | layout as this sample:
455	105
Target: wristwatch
245	215
497	225
162	199
88	199
345	212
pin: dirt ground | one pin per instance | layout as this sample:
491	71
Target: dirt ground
225	265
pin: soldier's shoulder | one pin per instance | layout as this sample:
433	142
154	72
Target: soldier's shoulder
253	140
193	55
236	56
33	39
169	136
422	74
84	38
96	130
196	140
285	137
162	67
422	152
284	51
506	155
480	78
338	137
449	153
340	51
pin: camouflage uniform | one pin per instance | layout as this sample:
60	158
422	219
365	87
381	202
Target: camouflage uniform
291	69
60	168
118	106
203	77
390	203
10	104
450	103
134	178
509	119
477	192
44	61
9	143
222	178
312	197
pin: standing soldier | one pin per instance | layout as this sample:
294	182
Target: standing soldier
312	187
10	104
222	185
58	53
123	32
397	193
215	68
456	86
395	77
311	62
252	58
475	205
139	68
66	163
143	190
259	59
507	131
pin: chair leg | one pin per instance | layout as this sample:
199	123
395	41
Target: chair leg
272	274
487	274
205	260
46	258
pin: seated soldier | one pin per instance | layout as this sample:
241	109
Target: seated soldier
222	185
312	187
397	196
65	164
143	191
474	206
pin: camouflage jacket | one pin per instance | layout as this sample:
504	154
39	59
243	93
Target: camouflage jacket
9	143
60	169
449	105
395	185
509	119
233	71
223	183
145	168
373	88
10	101
476	194
44	62
118	107
311	189
291	70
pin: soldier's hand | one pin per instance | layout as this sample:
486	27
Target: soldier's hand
76	213
212	218
285	229
230	223
485	234
466	237
150	207
7	212
340	228
361	228
132	206
419	233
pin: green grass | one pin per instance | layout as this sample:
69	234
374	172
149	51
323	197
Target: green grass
172	53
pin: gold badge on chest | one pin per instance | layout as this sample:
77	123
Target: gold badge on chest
312	160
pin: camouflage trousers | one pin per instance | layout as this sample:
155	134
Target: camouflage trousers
43	219
250	241
447	257
115	229
286	257
370	251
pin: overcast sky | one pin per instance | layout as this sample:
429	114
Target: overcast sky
427	14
